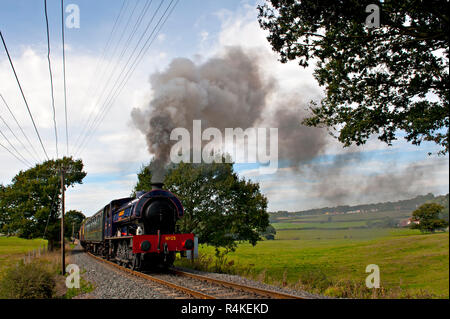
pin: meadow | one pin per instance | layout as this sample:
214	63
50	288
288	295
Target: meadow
324	254
13	249
329	256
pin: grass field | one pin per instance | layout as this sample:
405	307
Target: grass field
13	248
324	256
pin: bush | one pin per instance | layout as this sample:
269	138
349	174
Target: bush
28	281
314	280
218	264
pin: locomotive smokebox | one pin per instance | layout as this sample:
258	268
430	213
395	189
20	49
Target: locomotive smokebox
157	185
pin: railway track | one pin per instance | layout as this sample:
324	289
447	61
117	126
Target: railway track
202	287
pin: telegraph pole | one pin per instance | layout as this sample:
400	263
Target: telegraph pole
63	257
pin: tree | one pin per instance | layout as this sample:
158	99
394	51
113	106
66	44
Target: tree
72	222
377	80
32	200
3	216
144	182
220	208
269	233
428	217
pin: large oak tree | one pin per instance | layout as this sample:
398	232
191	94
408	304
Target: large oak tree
31	203
220	208
377	80
427	215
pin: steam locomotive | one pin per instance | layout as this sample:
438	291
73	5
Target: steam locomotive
138	232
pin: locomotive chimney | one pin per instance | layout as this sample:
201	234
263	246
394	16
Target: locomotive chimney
157	185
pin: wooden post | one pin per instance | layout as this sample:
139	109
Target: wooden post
63	256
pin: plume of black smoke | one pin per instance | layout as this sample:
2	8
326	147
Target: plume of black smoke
340	185
231	91
226	91
297	143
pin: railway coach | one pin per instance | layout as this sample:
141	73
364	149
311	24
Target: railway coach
138	232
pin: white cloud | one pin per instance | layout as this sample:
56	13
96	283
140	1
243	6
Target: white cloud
116	146
288	190
117	149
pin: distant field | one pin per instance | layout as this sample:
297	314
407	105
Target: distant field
401	214
407	259
331	225
323	250
13	248
337	234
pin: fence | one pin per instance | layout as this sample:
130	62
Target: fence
36	253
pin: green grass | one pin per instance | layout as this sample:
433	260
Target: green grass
415	263
85	287
13	248
333	236
344	217
327	225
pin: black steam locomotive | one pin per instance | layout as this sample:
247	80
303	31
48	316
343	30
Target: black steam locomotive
138	232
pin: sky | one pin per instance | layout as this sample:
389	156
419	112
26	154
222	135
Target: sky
196	30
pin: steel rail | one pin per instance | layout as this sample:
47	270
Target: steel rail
185	290
259	291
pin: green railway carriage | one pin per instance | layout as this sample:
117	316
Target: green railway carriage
93	228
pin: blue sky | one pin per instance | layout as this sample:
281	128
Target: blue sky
197	30
23	21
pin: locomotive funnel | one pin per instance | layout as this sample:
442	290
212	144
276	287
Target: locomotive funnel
157	185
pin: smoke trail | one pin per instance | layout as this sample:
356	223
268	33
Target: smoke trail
225	91
298	144
232	90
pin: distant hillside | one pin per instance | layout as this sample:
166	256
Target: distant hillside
402	205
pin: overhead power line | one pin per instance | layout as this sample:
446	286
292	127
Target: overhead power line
13	154
14	148
116	67
99	68
51	78
21	129
115	47
64	75
23	95
15	136
99	71
120	84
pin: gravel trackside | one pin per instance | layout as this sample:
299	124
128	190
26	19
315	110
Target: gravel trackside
111	283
